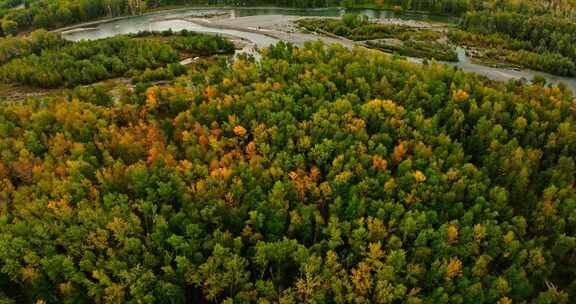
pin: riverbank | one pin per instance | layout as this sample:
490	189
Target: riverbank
170	10
333	11
283	28
263	28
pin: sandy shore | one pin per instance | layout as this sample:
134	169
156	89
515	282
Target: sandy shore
280	27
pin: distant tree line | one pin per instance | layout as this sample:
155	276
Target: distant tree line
23	15
564	8
408	41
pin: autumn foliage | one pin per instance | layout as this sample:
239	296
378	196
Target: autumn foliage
316	175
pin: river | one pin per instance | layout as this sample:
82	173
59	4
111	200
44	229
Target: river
176	20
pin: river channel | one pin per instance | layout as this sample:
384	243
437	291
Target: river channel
179	20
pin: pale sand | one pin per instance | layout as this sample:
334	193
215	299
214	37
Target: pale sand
275	26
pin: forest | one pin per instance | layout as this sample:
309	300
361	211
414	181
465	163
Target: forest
318	174
46	60
312	174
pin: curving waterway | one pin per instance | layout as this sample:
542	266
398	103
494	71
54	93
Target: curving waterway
177	20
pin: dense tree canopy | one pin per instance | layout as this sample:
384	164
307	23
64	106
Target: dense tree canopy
46	60
315	175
